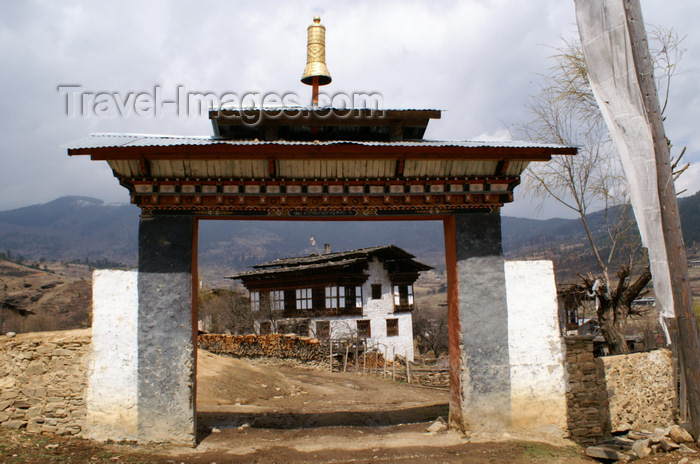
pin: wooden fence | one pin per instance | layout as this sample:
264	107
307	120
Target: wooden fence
355	355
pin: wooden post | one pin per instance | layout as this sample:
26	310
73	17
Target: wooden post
345	361
408	370
384	371
689	344
364	359
357	354
330	355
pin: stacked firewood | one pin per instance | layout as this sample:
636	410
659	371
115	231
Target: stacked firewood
372	360
271	346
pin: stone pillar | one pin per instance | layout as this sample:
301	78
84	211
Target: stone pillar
166	340
478	319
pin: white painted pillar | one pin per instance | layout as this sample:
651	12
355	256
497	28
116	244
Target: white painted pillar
112	393
535	350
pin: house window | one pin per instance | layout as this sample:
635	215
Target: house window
277	300
304	298
255	301
363	329
376	291
392	327
265	327
353	297
318	295
323	330
335	297
294	326
403	296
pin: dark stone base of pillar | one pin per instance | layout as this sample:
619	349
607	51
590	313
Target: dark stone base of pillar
166	352
484	367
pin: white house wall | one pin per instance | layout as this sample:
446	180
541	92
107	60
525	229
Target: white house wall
377	311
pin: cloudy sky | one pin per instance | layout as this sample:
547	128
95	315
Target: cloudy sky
477	60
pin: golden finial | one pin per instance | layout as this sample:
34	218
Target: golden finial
316	69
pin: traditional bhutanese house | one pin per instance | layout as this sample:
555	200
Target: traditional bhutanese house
365	294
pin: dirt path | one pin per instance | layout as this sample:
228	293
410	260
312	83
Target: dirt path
286	413
290	397
401	443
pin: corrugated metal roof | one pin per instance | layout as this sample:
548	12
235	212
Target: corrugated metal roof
151	140
333	256
331	261
297	268
317	109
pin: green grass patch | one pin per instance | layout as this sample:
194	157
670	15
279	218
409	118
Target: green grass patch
541	452
538	450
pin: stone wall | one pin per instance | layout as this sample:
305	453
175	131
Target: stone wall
617	393
640	390
43	381
587	410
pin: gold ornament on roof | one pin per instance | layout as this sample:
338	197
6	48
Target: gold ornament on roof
316	55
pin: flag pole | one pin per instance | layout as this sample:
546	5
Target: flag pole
688	342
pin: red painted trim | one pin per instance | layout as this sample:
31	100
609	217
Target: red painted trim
194	272
454	326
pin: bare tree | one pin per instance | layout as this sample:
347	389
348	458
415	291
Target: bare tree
228	310
430	329
565	112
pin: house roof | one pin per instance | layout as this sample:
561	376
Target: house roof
332	261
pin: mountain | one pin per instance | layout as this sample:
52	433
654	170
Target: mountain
689	208
87	229
70	228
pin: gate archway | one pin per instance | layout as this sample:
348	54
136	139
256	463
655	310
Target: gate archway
315	164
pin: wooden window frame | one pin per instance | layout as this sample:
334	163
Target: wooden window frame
277	300
304	297
376	291
353	300
364	328
392	327
323	330
403	297
334	298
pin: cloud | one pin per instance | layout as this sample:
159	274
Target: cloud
477	60
689	181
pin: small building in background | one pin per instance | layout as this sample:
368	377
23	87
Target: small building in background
364	294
